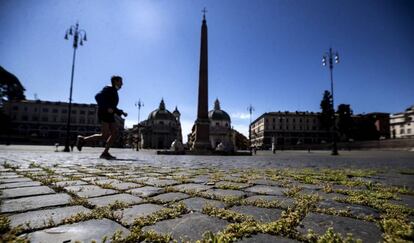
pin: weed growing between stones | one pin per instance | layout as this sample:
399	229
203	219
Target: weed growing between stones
48	171
327	188
292	191
229	186
4	224
344	213
262	203
376	201
397	229
244	226
8	165
34	165
96	213
8	234
118	205
107	186
76	200
163	214
330	237
137	235
225	214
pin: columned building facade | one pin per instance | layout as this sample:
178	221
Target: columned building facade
45	121
402	124
160	129
287	128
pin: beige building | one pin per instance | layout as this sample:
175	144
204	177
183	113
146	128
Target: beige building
402	124
287	128
36	121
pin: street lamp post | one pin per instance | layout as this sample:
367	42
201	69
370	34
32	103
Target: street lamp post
138	104
250	109
332	57
79	36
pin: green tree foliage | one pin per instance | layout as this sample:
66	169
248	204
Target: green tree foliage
345	121
327	112
10	89
10	86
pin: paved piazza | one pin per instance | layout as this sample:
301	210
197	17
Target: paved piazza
290	196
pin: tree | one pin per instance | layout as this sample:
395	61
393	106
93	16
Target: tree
10	87
345	121
327	113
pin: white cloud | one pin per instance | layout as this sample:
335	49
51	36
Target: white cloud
241	128
240	115
130	123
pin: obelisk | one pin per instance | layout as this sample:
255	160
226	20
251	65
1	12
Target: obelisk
202	124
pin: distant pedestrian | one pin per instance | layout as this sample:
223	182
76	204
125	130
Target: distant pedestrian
107	100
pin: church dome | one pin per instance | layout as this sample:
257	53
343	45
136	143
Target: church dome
217	113
176	112
161	113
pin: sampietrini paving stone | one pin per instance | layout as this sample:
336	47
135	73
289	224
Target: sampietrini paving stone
259	214
219	193
191	187
9	175
12	180
285	202
198	203
233	184
356	210
88	191
266	238
94	178
188	227
123	198
266	182
125	186
43	218
406	200
87	231
360	229
70	183
146	191
25	191
130	214
200	179
160	182
170	197
268	190
106	181
36	202
19	184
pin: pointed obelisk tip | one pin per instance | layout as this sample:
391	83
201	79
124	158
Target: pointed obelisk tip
204	13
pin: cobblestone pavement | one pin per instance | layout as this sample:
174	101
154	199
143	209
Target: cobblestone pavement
49	196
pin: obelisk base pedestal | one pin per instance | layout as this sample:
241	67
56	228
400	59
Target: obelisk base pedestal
202	134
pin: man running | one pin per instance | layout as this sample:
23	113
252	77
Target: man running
107	101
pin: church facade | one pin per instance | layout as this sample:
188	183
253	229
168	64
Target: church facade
160	129
221	135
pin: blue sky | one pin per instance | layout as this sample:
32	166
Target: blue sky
264	52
